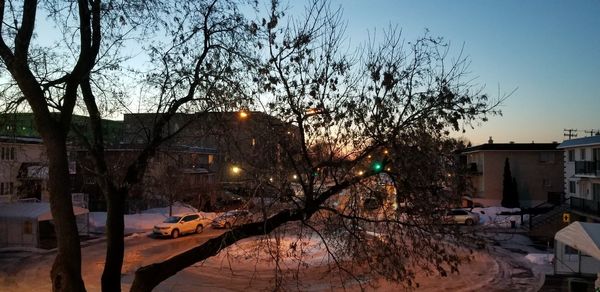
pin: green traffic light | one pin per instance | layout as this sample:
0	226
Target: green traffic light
377	166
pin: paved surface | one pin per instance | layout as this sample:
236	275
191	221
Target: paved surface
498	270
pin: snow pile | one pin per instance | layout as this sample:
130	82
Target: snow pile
309	249
540	258
133	223
177	208
146	220
491	216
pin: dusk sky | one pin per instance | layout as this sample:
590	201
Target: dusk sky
548	50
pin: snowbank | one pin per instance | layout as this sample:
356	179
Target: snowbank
178	208
133	223
144	221
490	216
540	258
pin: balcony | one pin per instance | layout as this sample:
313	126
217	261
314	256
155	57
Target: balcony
585	206
587	168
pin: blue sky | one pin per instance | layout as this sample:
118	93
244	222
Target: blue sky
549	50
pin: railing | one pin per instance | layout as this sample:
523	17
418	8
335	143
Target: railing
586	206
587	168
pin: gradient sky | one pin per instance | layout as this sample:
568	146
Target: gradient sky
548	50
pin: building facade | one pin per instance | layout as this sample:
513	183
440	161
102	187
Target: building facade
537	169
23	169
582	174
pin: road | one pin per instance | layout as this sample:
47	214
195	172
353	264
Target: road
495	269
26	271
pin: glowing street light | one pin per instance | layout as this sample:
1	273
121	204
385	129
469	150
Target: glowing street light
243	114
236	169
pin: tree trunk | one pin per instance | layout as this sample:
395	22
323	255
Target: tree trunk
115	245
66	270
148	277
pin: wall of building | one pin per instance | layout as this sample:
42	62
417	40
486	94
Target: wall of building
536	172
15	154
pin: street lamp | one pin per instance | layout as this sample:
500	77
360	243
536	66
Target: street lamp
236	169
243	114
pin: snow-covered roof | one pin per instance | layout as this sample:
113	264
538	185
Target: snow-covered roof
582	236
586	141
39	211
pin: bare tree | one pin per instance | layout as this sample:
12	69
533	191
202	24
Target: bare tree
197	60
45	93
370	126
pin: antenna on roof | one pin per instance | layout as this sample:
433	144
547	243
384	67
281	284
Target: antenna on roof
570	133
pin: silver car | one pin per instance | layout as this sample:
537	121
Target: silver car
460	216
231	218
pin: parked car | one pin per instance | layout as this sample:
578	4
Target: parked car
231	218
460	216
177	225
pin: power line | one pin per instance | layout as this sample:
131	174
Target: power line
570	133
592	132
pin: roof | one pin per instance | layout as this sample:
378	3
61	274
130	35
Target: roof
513	147
39	211
586	141
582	236
21	140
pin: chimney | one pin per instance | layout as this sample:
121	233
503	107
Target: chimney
490	141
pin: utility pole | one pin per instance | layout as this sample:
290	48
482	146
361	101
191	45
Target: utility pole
570	133
592	132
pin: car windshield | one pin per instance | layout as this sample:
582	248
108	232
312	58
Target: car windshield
172	219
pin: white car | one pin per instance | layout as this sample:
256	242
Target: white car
181	224
460	216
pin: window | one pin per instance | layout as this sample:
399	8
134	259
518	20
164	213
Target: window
546	183
572	187
27	227
1	189
596	154
582	154
570	250
190	218
571	155
7	153
547	157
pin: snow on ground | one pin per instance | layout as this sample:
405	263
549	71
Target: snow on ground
491	216
146	220
244	267
540	258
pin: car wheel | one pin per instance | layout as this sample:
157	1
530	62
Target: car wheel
227	225
199	228
175	233
469	222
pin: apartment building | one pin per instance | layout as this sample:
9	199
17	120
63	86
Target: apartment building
536	167
582	174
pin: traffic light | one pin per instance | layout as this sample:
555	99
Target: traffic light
377	166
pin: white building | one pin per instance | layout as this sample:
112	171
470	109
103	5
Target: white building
23	170
582	174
